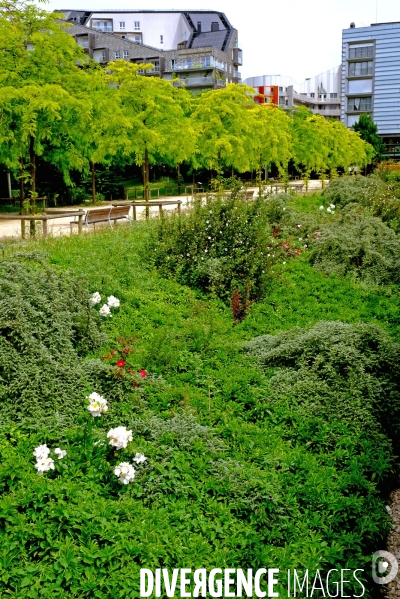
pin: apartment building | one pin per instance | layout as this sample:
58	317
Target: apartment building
370	79
320	94
196	49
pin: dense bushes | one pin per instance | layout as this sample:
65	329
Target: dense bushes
379	195
336	372
218	247
46	324
362	245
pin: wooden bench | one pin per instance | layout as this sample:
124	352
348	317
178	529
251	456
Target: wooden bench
104	215
148	205
249	193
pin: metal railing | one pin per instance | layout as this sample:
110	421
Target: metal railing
198	64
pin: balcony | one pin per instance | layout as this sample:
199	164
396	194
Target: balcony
195	82
237	74
155	69
83	42
191	65
237	57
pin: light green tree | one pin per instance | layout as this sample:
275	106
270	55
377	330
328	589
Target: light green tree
158	113
223	126
270	138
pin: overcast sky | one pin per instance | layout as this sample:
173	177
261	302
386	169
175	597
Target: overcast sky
278	37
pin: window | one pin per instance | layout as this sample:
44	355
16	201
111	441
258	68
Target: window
137	39
205	61
333	96
214	26
173	63
122	25
103	55
103	25
137	25
198	26
361	51
360	86
359	104
281	100
117	54
358	69
281	89
312	94
126	54
351	120
161	39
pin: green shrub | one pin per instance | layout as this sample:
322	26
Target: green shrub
46	326
380	196
353	189
361	245
335	373
218	247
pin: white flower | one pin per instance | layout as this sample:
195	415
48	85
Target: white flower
283	262
209	238
299	226
329	210
332	206
268	255
44	465
97	405
139	458
300	239
205	251
125	472
321	208
119	437
305	246
41	452
113	302
95	299
60	452
284	208
105	311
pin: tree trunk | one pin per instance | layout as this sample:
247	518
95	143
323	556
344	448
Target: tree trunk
178	169
146	176
22	196
32	160
93	182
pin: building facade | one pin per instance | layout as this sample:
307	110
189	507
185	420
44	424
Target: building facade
320	94
370	79
196	49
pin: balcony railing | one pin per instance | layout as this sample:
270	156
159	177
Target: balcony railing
83	42
155	69
103	29
198	64
194	81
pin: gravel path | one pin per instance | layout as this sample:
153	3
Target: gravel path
392	590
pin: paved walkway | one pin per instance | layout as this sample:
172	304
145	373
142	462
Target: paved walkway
60	226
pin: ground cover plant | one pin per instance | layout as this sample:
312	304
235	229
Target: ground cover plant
245	463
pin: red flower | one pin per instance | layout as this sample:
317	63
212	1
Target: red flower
120	363
143	373
113	352
127	350
106	357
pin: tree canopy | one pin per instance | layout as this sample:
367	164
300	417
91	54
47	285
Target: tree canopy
58	104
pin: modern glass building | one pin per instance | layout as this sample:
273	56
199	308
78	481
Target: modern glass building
371	79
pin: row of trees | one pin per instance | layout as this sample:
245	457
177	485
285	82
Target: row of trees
58	104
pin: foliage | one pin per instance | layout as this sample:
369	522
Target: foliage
46	324
233	475
368	131
361	245
378	194
222	123
218	247
335	372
